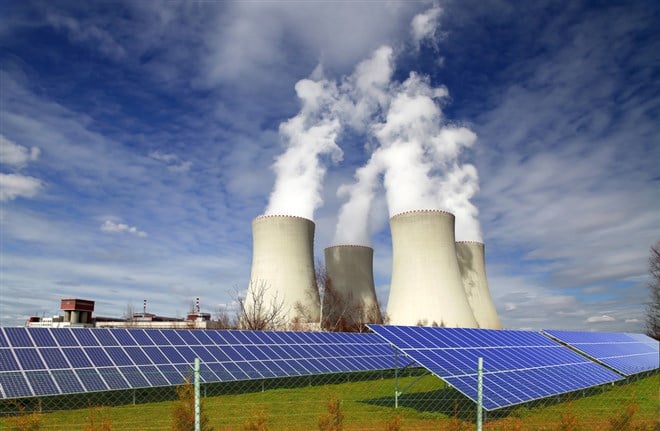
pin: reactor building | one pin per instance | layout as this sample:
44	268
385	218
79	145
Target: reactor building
282	272
426	286
472	264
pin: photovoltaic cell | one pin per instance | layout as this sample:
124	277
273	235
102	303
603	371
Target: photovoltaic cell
626	353
518	366
72	360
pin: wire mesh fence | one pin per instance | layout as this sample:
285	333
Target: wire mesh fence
403	399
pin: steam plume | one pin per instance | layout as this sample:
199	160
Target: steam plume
418	157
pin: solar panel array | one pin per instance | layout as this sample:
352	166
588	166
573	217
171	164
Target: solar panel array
626	353
518	366
54	361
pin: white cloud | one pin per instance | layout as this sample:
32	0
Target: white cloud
601	318
112	227
16	155
174	162
13	186
424	26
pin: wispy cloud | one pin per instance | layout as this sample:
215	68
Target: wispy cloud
110	226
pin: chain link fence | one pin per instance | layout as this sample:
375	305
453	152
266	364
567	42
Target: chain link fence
404	399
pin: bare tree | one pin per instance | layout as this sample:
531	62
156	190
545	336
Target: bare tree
653	307
259	311
224	319
342	312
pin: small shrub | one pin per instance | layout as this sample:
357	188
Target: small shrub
260	423
98	420
334	419
25	421
183	415
393	424
624	420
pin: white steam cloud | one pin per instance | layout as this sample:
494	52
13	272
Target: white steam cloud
313	133
417	156
416	153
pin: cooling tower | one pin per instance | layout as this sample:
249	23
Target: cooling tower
349	269
472	264
426	282
283	267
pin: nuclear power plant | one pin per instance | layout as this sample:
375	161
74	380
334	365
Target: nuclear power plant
282	272
472	264
426	285
435	280
350	277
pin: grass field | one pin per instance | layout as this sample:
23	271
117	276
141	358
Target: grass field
369	405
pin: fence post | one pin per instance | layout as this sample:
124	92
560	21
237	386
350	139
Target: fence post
480	392
197	400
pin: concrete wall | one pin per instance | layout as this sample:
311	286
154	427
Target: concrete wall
472	264
426	282
283	264
350	271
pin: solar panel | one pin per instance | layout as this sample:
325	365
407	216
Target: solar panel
626	353
49	361
518	366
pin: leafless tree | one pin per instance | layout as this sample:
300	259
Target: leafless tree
224	319
129	314
342	312
260	311
653	307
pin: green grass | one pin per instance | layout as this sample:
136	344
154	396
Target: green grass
369	405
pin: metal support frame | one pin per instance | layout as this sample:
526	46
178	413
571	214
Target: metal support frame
480	392
197	397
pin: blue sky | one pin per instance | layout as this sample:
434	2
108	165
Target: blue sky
139	139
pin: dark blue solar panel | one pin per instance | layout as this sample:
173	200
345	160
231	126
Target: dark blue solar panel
105	336
42	337
173	337
90	379
85	337
3	339
102	359
42	383
14	385
626	353
518	366
7	361
76	357
64	337
118	356
188	338
154	376
113	378
137	355
98	357
141	337
18	337
134	377
54	358
29	359
67	381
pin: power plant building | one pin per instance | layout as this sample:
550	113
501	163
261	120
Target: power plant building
472	264
349	272
283	268
426	285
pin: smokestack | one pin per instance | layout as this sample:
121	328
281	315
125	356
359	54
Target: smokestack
283	266
349	269
472	264
426	282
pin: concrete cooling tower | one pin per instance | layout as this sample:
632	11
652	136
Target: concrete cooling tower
472	263
349	269
283	267
426	281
